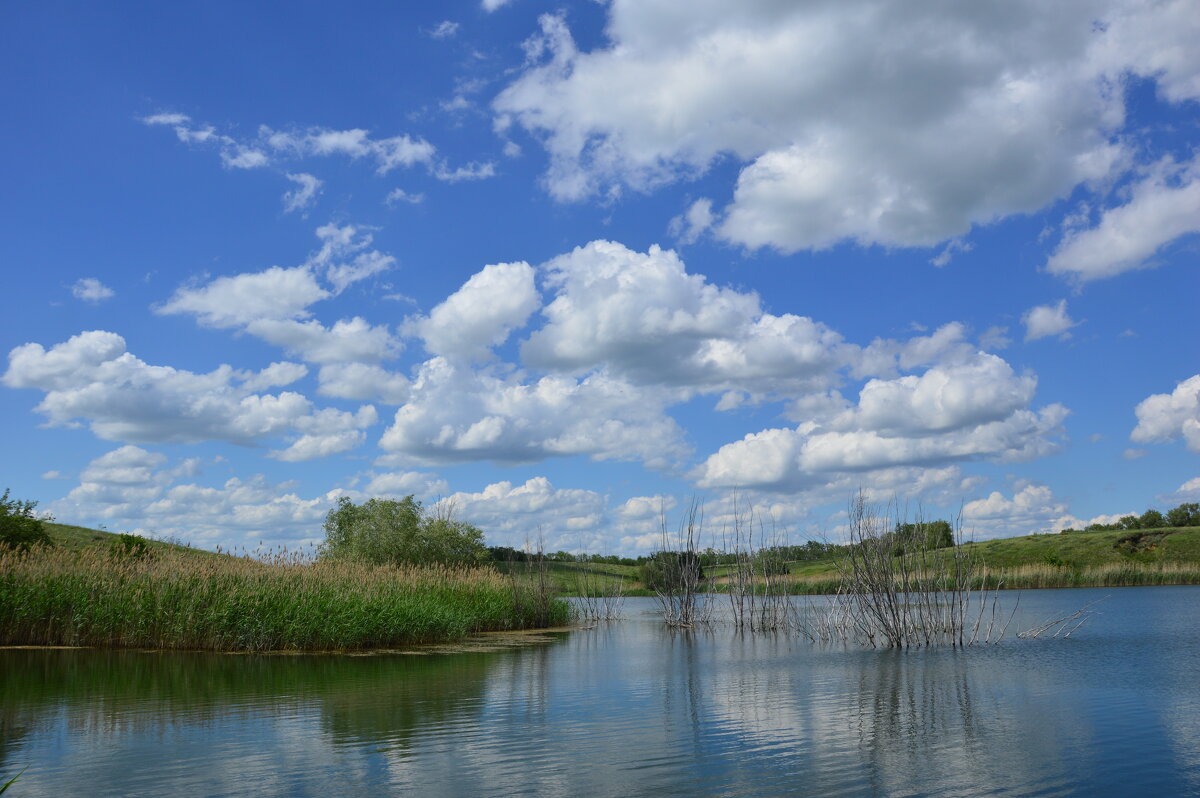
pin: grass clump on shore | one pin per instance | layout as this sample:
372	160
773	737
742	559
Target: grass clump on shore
169	599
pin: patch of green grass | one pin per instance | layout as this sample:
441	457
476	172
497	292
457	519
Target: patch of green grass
174	599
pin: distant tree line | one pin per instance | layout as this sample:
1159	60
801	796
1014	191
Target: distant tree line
1187	514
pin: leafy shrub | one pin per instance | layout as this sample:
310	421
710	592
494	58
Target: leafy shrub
132	547
390	532
20	528
1055	560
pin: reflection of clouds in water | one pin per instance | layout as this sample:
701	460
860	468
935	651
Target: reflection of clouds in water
633	708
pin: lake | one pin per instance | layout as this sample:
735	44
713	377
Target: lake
633	708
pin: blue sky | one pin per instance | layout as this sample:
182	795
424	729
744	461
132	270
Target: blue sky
567	265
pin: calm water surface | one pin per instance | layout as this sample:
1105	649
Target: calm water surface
632	708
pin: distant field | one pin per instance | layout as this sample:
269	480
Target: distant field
1154	556
1079	559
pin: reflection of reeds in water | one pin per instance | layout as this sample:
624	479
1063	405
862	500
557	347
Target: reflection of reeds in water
281	602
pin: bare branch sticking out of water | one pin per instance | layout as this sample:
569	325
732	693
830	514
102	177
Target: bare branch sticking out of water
1065	626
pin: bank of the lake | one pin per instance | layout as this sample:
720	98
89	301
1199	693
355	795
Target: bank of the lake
172	598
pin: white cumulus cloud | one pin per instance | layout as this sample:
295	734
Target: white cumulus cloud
642	316
89	289
481	314
1044	321
458	414
866	121
1161	208
977	410
94	379
1166	416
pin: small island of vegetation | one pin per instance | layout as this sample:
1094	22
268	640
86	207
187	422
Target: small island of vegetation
390	575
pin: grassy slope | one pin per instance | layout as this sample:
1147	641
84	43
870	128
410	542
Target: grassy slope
78	537
1080	550
1093	549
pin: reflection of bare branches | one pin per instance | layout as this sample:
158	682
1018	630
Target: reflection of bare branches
1067	623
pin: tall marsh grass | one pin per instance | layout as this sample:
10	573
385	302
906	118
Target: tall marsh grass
285	602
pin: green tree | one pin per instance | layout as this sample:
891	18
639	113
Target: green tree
388	531
1151	519
929	534
1187	514
20	528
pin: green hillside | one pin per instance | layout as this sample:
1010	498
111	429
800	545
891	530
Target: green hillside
1179	545
1158	556
77	537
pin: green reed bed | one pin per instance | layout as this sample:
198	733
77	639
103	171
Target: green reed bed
1127	574
1031	577
285	603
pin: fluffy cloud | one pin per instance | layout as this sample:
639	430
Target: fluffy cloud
481	314
970	411
327	432
234	154
345	256
347	341
1032	508
305	193
689	226
456	414
1046	320
275	293
388	153
643	317
363	381
514	515
130	488
954	116
1187	492
270	304
89	289
398	484
270	146
1161	208
94	378
400	195
276	374
1166	416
